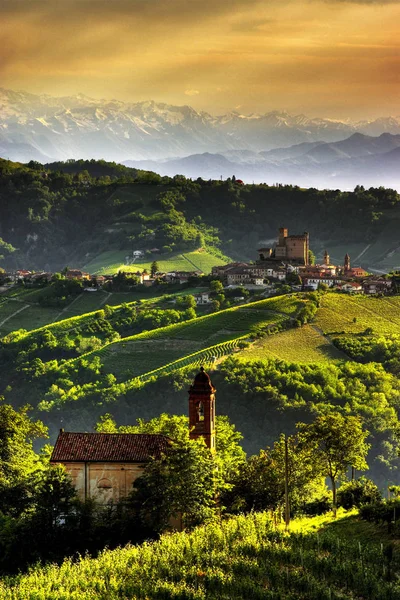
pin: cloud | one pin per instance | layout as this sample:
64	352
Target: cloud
192	92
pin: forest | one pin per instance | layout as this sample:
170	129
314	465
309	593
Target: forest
66	213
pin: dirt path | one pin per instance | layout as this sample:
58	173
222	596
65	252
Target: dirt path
13	315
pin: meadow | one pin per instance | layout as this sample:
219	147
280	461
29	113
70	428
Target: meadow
244	557
111	262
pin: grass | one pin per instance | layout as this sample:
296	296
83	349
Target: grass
86	302
112	261
302	345
30	318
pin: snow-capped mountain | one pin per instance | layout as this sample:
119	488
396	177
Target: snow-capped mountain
47	128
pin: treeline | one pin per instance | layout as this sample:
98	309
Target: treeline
368	347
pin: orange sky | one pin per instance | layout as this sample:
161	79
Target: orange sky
332	58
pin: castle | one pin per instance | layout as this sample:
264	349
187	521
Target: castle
104	466
290	248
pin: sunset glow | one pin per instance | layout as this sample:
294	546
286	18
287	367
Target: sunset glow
333	58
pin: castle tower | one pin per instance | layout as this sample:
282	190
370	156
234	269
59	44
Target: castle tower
326	258
283	233
202	409
346	263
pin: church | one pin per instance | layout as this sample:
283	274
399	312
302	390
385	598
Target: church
104	466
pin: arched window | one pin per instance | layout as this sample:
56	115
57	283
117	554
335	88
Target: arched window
104	484
200	411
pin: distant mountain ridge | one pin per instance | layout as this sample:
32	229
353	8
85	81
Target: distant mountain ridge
359	159
45	128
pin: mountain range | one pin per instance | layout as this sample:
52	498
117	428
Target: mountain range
359	159
271	147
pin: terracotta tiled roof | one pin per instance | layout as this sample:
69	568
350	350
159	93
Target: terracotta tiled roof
108	447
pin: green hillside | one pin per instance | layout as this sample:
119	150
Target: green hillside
337	315
94	214
305	345
243	557
113	261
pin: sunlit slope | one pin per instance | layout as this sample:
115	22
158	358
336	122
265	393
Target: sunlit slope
303	345
337	314
243	557
340	313
173	347
111	262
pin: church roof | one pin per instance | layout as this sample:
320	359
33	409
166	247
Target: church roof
108	447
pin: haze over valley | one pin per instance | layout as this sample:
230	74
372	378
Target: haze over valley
271	147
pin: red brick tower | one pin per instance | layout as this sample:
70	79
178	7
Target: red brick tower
202	409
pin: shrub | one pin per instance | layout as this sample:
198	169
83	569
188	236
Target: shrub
318	506
357	493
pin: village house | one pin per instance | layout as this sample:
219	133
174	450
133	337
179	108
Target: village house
377	286
180	276
21	274
202	298
351	287
77	274
312	283
104	466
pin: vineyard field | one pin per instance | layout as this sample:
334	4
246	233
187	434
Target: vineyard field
303	345
242	557
135	356
343	314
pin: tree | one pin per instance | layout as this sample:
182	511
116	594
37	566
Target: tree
216	286
179	486
215	305
358	492
154	268
260	483
17	432
5	248
230	454
336	443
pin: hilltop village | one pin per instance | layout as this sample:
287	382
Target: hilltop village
289	262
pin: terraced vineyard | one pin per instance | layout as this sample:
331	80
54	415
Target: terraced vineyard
213	335
344	314
304	345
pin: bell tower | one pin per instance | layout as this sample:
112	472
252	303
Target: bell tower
202	409
326	258
346	263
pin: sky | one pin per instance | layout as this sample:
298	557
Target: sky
333	58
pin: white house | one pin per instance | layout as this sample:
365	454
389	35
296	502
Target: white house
202	298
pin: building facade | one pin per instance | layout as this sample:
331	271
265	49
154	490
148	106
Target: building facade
104	466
